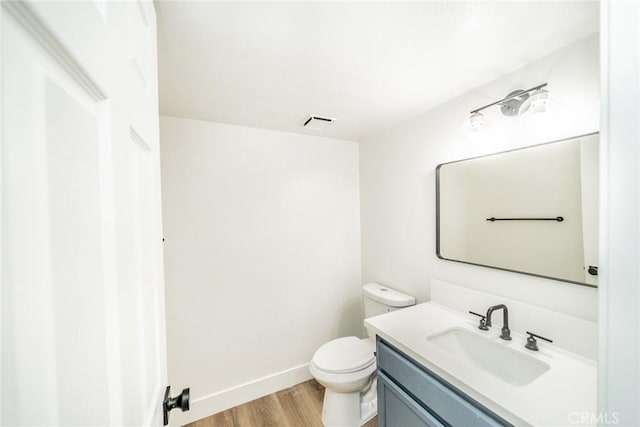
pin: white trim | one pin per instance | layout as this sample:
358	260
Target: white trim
604	212
619	291
30	21
213	403
136	64
140	142
1	200
110	263
143	13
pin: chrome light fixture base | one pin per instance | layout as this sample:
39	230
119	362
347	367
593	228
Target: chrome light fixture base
517	103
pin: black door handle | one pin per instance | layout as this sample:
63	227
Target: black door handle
181	401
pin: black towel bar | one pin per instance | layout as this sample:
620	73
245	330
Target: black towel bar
558	218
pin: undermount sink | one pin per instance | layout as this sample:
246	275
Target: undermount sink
492	357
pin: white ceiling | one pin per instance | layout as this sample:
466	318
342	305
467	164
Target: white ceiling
369	65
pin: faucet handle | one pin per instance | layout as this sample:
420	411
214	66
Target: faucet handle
483	321
532	344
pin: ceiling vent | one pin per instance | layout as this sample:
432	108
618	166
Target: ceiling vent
317	123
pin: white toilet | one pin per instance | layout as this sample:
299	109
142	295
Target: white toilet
346	366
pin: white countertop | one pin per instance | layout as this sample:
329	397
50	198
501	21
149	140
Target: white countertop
560	395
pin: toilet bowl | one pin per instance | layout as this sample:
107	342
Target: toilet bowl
346	366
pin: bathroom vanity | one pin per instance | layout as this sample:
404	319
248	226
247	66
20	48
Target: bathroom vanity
428	399
435	367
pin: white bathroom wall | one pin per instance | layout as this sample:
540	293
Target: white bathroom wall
262	257
397	179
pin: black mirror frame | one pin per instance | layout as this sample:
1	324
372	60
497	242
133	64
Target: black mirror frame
439	255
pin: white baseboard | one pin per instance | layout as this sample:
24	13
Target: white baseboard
216	402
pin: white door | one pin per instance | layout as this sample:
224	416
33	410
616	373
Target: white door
82	301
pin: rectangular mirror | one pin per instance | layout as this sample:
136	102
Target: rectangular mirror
533	210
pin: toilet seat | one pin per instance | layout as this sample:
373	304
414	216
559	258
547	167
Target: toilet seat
346	367
343	355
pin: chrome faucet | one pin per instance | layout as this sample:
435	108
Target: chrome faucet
506	332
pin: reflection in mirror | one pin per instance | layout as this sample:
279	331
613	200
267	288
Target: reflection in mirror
502	210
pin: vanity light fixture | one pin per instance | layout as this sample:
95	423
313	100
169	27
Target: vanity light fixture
477	121
539	100
515	103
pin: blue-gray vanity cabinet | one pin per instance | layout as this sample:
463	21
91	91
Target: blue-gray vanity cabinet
397	408
411	395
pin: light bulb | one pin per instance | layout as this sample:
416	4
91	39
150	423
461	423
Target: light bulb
477	121
539	100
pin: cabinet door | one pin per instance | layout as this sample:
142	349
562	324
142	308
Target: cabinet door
432	392
397	408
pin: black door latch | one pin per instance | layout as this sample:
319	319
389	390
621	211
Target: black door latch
169	403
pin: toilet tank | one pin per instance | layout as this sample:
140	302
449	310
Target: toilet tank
379	299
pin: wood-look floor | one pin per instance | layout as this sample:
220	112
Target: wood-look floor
297	406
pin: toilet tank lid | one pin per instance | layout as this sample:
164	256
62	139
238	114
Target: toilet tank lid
387	296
